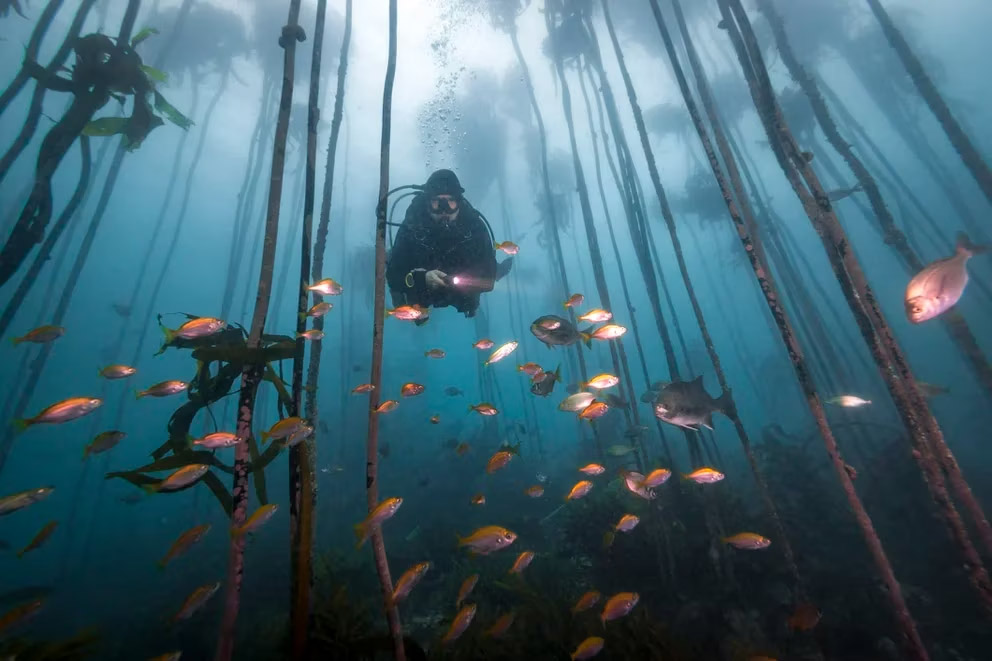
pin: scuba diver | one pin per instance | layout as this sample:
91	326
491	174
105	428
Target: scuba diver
443	253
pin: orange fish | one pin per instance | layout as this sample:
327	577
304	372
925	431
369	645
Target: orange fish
64	411
588	648
313	335
705	475
362	388
535	491
655	478
467	586
498	460
522	562
326	287
487	539
461	449
183	542
460	623
580	489
117	371
573	301
501	625
587	601
387	406
484	344
608	332
40	335
748	541
411	389
39	538
479	499
509	247
594	410
805	617
382	511
530	369
408	580
619	605
596	316
601	382
626	523
592	469
484	408
408	313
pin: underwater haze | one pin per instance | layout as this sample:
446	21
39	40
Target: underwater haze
495	329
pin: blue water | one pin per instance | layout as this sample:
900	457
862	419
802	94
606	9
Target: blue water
460	102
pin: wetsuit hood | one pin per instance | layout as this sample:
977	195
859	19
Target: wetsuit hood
443	182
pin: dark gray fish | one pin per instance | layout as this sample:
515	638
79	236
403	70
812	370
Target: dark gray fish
124	311
616	401
453	391
687	404
840	193
503	268
546	386
556	331
131	498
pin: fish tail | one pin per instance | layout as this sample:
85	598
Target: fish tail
265	437
236	532
170	335
161	564
21	424
138	394
16	340
86	453
725	404
966	247
21	553
150	488
586	339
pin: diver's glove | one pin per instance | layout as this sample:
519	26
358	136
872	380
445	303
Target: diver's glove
435	279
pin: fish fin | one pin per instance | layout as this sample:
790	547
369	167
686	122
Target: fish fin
966	247
21	424
708	421
725	404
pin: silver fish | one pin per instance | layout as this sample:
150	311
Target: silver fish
687	404
576	402
840	193
940	285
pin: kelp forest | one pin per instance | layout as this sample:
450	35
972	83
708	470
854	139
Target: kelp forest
275	277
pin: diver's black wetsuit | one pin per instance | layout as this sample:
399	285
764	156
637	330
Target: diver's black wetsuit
462	248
